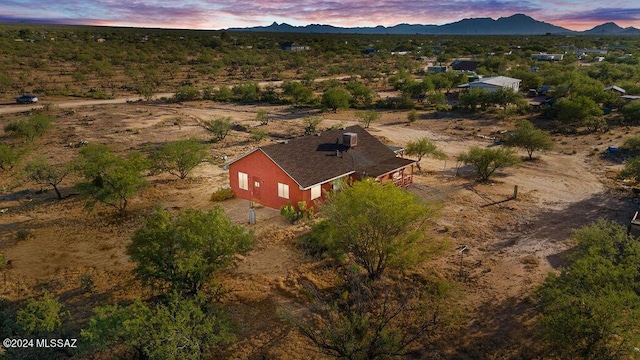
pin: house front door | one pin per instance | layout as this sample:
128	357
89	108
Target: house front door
255	190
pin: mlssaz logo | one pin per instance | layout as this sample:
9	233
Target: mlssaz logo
56	343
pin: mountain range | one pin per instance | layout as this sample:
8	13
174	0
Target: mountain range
518	24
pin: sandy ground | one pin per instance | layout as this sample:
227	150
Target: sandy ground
511	243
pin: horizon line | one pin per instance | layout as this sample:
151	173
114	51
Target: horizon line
102	23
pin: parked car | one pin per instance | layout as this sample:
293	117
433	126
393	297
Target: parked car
27	99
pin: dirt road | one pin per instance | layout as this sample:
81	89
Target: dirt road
15	108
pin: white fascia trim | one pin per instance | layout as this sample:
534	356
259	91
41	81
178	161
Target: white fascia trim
326	181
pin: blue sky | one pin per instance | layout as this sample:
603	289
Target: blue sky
221	14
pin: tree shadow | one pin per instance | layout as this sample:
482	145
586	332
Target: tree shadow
499	330
557	225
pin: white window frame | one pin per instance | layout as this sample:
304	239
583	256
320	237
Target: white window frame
243	180
316	192
283	190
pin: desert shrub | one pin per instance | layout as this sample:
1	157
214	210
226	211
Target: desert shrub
590	310
316	243
336	98
311	124
258	135
41	316
631	112
185	328
380	226
363	319
223	93
487	160
631	169
3	263
9	157
367	117
220	127
23	234
247	92
400	102
263	117
222	194
412	116
290	213
86	283
632	144
293	214
200	244
31	128
179	157
186	93
109	178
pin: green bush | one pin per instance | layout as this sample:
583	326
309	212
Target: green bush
258	135
293	214
86	283
186	93
290	213
222	194
316	242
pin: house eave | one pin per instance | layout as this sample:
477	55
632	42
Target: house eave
226	166
326	181
396	169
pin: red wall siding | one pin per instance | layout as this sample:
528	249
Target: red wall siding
261	169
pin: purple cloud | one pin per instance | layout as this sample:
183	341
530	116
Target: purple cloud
603	14
217	14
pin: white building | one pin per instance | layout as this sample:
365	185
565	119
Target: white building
494	83
547	57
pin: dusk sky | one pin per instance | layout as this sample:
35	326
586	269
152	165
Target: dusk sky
221	14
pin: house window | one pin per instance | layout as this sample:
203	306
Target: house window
243	181
283	190
316	191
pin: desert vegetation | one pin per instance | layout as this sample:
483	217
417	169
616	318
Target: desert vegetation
118	228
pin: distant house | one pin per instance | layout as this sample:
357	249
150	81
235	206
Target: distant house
465	65
437	69
303	169
544	89
582	53
294	47
494	83
547	57
616	89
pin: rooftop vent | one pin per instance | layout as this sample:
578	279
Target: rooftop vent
350	139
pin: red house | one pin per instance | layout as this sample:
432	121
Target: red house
302	169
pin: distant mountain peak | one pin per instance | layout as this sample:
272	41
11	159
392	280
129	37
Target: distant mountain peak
519	16
611	28
516	24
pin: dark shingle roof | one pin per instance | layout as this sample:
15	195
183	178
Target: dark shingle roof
315	159
465	65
